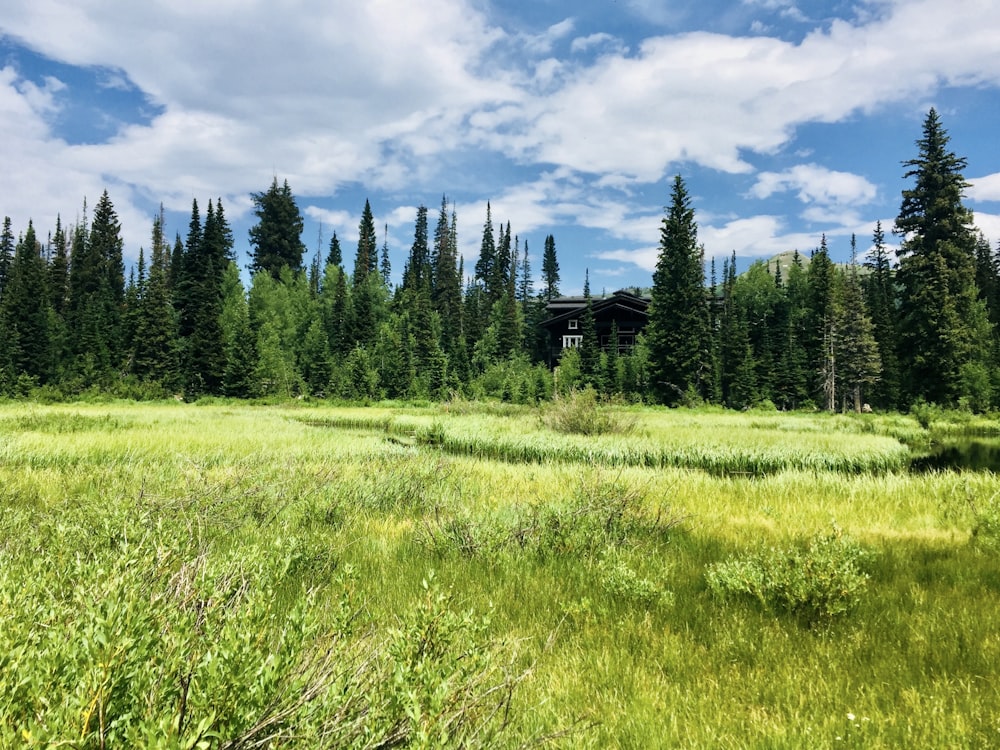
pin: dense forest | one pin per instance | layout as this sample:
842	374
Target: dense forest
898	328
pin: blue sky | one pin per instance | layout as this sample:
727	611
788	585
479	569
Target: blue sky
786	119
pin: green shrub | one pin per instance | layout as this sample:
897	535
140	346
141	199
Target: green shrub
601	515
816	583
582	413
621	581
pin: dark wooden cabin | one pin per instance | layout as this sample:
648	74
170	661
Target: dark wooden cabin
628	311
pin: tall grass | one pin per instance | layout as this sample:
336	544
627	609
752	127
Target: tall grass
143	547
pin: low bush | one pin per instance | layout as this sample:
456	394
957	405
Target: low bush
601	515
582	413
817	583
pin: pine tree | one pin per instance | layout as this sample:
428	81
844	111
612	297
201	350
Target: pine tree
447	290
550	270
417	272
25	313
238	342
276	238
590	347
793	376
858	357
155	346
822	347
677	333
59	270
366	258
97	293
336	255
880	297
207	256
943	325
7	248
486	263
335	302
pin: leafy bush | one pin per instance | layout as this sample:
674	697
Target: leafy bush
601	515
582	413
619	580
146	650
822	581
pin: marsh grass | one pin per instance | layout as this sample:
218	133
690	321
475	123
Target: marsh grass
308	550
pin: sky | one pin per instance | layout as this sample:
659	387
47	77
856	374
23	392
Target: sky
786	119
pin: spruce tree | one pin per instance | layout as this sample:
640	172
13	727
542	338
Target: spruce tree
550	269
880	297
59	270
366	258
238	342
590	347
155	346
486	262
25	313
7	248
276	238
677	333
943	325
336	256
858	357
97	293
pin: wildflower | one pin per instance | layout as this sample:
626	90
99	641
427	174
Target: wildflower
850	716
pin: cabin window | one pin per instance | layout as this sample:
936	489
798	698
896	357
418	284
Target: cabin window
572	342
573	325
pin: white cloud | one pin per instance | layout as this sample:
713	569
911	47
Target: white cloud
816	185
985	188
353	93
598	41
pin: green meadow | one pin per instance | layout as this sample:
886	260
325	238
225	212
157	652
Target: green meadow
223	575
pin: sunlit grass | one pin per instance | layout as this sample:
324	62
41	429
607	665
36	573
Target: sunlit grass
916	663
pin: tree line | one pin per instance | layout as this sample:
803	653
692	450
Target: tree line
887	331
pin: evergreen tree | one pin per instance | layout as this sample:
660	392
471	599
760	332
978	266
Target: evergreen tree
336	255
823	311
417	272
366	258
943	325
59	270
485	265
276	238
677	333
155	345
367	286
550	269
25	312
200	293
793	377
97	293
7	248
880	298
447	292
858	357
337	309
385	267
590	347
238	341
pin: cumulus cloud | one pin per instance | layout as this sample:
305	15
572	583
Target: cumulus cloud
329	95
816	184
985	188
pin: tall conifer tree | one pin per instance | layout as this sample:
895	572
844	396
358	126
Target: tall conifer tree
276	238
943	327
677	333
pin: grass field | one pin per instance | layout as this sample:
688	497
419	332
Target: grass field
222	574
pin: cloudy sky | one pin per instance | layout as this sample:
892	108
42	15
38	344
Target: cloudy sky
786	118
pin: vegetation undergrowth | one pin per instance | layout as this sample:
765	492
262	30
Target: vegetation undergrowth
176	575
